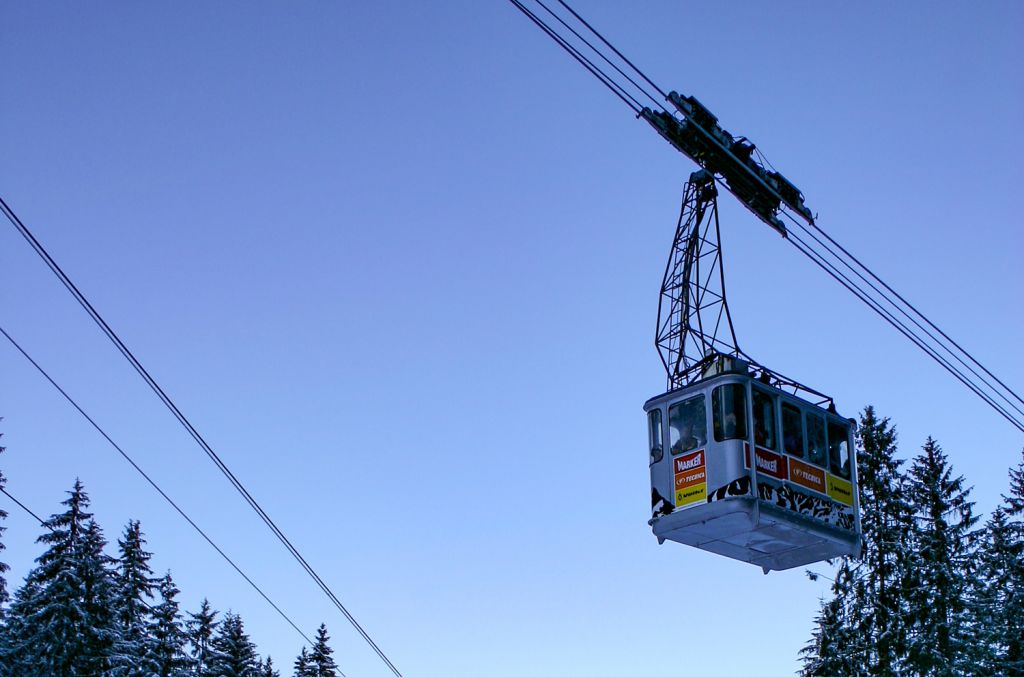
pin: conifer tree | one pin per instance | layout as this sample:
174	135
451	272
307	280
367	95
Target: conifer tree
940	643
320	657
167	649
999	599
16	655
200	629
1015	501
234	653
267	669
98	581
4	568
303	668
884	569
65	625
134	587
862	629
835	648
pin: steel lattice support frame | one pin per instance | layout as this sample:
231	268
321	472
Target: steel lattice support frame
694	323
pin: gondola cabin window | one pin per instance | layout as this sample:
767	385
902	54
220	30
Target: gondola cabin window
816	439
764	419
687	425
792	431
839	449
654	435
729	404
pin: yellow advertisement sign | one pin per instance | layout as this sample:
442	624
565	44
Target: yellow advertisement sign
693	494
839	490
691	478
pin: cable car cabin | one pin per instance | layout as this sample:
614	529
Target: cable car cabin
791	502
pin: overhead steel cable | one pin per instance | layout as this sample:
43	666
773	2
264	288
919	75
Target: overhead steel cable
149	480
612	47
23	507
616	89
887	315
608	61
921	315
930	339
995	392
192	431
42	523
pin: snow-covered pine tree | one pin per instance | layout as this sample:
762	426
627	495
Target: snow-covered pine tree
135	583
320	656
940	642
4	568
200	629
1015	501
999	598
63	624
884	568
15	653
861	629
303	668
167	648
234	654
1000	592
98	581
267	669
835	648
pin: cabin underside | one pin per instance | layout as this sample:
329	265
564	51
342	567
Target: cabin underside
757	532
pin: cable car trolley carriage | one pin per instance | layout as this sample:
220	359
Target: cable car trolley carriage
742	468
742	463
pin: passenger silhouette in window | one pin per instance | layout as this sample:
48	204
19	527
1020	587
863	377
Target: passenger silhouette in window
792	434
688	424
764	420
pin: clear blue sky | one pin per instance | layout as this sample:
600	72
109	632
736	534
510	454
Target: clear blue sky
399	263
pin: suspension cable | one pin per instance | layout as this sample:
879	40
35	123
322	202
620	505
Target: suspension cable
586	42
616	89
612	47
24	507
907	304
190	429
924	333
886	315
149	480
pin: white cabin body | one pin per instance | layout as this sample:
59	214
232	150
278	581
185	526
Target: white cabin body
798	504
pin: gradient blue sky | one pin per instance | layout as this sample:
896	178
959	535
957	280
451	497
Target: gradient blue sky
399	263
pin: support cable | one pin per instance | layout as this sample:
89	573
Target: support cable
917	312
148	479
23	507
192	431
886	315
979	384
612	47
657	103
911	318
616	89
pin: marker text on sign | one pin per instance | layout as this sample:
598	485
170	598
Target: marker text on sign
768	463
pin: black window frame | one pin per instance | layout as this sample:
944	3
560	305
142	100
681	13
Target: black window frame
823	461
700	440
835	462
717	415
772	431
655	439
800	451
